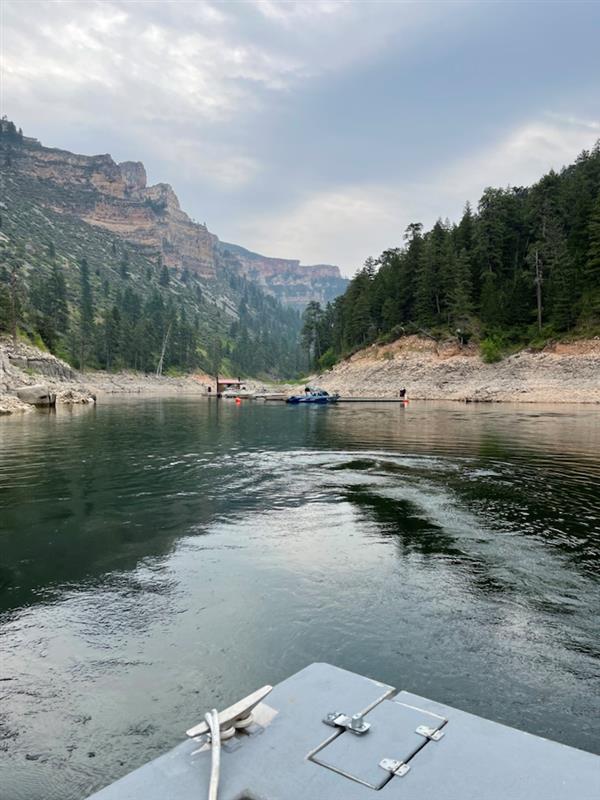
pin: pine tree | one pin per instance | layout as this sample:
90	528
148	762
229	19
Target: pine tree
4	306
124	266
16	294
559	275
440	268
465	231
59	303
563	283
446	277
425	309
370	268
310	333
110	339
215	356
389	314
44	318
461	304
407	271
591	276
325	328
86	313
360	320
490	302
165	278
388	294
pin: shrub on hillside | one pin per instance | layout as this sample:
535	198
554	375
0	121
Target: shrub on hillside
327	360
490	350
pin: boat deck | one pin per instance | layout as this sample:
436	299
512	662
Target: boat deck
414	748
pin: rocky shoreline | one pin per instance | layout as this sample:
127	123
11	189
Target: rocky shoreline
560	373
27	371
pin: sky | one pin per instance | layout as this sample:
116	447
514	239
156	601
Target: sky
311	130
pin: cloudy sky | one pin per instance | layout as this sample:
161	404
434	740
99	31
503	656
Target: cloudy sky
311	130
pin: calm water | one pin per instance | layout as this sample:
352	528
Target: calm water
163	556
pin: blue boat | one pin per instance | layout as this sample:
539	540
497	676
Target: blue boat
314	396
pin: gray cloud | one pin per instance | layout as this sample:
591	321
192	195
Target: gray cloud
315	130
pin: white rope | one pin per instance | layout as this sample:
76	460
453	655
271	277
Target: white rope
212	720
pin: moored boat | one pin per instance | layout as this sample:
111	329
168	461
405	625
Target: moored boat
242	393
313	395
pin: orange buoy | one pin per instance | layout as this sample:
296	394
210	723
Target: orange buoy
238	402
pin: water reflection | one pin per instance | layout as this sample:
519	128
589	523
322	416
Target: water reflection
159	557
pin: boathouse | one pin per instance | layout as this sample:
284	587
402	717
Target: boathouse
227	383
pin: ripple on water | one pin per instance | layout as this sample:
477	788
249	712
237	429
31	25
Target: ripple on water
161	558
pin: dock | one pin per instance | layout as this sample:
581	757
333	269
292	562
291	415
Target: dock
274	397
281	398
401	400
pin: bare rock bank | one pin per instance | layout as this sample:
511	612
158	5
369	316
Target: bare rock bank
26	372
29	377
561	372
130	382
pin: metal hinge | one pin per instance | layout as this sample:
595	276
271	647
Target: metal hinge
430	733
355	724
394	766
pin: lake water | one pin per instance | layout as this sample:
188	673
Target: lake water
160	557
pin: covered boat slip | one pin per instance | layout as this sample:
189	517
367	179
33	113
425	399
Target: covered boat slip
305	745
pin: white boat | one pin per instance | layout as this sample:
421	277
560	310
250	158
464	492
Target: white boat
241	392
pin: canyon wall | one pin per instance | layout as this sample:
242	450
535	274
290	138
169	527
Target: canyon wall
116	197
292	282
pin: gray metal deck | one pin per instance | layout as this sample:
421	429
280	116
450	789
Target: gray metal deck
294	755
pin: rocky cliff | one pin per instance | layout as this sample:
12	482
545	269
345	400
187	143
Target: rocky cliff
287	279
116	197
26	370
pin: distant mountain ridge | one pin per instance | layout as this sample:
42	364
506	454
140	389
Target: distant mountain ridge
287	279
109	273
116	197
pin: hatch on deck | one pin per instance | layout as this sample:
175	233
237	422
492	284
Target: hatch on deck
396	734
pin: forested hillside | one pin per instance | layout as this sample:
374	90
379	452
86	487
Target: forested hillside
521	269
100	301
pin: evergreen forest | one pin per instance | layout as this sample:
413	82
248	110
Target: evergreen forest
99	302
521	269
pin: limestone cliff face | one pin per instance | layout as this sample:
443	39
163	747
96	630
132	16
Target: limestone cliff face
292	282
134	175
116	197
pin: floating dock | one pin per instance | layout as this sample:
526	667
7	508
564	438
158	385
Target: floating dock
329	734
401	400
274	397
